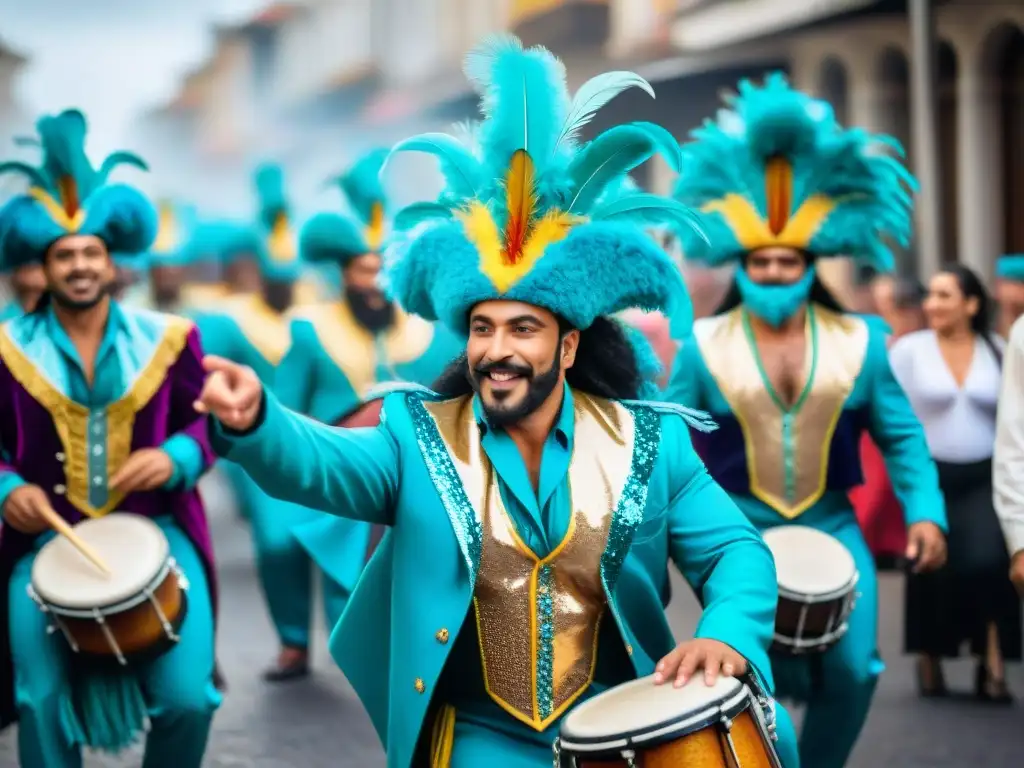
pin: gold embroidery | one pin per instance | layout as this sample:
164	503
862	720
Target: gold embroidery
71	419
265	329
513	583
787	474
354	349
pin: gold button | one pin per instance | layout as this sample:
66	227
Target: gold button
419	686
442	636
629	649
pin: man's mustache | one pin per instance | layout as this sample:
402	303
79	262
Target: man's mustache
79	275
502	366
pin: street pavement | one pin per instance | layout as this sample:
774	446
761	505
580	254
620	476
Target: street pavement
318	723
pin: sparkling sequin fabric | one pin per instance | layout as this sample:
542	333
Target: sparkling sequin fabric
538	618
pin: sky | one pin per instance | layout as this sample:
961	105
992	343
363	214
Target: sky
111	58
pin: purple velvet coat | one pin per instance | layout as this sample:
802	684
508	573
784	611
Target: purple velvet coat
29	432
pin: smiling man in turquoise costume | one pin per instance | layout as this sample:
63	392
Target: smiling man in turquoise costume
790	377
339	352
534	505
108	391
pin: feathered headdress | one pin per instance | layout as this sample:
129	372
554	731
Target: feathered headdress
68	196
524	215
173	246
777	169
1011	267
332	237
271	239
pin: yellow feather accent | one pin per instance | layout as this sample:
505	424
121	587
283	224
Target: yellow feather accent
375	229
521	204
167	231
482	231
56	210
281	242
752	231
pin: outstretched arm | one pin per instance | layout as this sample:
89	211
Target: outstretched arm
721	555
348	472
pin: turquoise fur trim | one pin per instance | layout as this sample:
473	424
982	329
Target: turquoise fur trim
117	214
1011	267
607	263
599	269
852	167
331	237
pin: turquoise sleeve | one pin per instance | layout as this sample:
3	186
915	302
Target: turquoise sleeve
720	554
352	473
187	458
294	379
899	436
9	482
683	386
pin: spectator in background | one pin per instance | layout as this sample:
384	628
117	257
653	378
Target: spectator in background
951	375
879	512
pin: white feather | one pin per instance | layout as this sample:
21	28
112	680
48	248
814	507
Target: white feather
594	94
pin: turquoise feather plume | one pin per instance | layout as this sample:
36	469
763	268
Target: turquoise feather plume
62	141
268	181
527	106
861	173
361	184
528	211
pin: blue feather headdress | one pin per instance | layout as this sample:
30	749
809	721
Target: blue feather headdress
173	246
776	168
271	239
526	214
1010	266
334	238
68	196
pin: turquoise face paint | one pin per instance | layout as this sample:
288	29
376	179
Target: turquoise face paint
774	304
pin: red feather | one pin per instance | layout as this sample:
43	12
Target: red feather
521	202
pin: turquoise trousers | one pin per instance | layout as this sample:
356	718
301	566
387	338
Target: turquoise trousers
286	570
837	706
177	688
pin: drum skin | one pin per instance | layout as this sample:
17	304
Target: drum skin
706	748
136	630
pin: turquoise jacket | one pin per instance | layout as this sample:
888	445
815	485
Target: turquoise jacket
796	464
415	474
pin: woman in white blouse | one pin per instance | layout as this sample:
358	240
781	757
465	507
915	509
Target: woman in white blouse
951	374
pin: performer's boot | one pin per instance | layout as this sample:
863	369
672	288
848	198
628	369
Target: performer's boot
291	664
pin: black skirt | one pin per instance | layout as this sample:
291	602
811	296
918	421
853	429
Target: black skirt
956	604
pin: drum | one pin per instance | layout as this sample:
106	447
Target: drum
817	581
643	725
132	615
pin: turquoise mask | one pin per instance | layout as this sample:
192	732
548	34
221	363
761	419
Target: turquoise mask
774	304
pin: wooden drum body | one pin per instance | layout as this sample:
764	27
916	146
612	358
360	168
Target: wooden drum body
133	614
641	725
817	588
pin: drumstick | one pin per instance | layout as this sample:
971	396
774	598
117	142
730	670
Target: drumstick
59	524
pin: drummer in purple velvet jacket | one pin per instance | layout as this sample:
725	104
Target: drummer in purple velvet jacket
96	416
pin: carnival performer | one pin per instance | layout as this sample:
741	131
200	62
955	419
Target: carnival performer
1009	290
96	415
793	379
171	254
27	283
339	352
536	463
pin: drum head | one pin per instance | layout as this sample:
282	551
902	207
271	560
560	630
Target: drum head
640	708
133	547
808	561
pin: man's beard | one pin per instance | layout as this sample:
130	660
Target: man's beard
539	388
373	318
75	305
